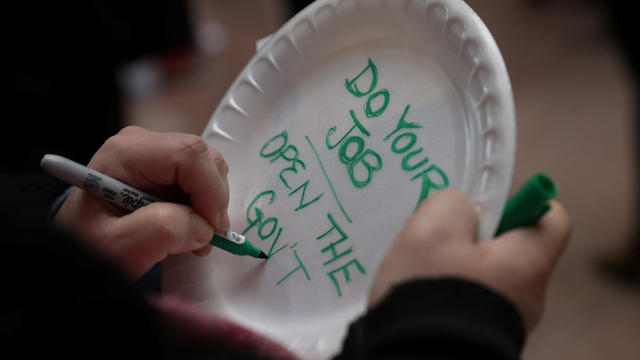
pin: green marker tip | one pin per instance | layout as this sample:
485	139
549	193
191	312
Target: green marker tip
262	255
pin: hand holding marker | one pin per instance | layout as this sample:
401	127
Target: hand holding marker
131	199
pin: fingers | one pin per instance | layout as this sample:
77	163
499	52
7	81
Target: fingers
449	214
546	240
556	227
521	261
148	235
441	232
153	160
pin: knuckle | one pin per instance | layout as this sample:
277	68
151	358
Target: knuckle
192	145
222	165
114	143
453	194
451	197
423	231
443	227
456	213
130	129
215	154
119	141
460	204
440	233
116	147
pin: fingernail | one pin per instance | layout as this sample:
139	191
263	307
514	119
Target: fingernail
202	230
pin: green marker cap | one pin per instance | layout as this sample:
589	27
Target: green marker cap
236	244
529	204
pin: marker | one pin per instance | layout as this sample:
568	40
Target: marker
130	199
529	204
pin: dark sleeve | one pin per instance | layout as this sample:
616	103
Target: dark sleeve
29	196
60	300
437	319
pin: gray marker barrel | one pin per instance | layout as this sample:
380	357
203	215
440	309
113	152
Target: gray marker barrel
98	184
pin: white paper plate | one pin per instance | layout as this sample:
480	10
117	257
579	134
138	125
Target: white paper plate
438	65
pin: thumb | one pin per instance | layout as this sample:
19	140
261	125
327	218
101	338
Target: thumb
148	235
529	256
544	241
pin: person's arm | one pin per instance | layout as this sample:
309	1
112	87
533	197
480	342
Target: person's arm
63	300
437	319
437	242
439	294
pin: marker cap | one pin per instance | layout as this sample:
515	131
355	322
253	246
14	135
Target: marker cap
528	205
235	244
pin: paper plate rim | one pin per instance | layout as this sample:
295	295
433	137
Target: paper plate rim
500	126
464	29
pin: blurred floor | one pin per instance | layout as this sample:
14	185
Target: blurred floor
573	104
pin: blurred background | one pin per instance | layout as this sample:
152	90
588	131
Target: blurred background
165	65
